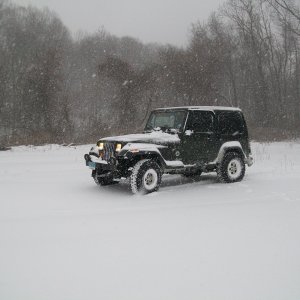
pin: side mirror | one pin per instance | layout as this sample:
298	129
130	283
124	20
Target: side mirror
189	132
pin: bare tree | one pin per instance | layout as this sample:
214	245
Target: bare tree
56	88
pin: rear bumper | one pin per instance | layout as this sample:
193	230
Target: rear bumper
249	160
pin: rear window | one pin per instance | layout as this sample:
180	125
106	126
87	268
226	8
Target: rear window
231	123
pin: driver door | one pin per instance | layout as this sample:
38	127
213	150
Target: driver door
199	141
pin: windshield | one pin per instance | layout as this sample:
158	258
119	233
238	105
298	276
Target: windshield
166	121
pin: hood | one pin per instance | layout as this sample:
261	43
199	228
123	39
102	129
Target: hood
161	138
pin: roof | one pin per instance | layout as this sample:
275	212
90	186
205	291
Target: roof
211	108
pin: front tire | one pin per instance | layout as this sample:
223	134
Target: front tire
232	168
146	177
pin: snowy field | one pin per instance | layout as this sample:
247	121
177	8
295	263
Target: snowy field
62	237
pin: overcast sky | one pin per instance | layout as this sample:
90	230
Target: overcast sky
162	21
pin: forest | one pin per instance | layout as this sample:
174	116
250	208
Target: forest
59	87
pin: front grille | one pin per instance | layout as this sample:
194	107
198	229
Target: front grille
108	151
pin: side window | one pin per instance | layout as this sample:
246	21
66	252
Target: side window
201	121
230	123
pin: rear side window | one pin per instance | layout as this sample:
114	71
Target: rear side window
231	123
201	121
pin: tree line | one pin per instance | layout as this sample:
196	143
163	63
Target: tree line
59	88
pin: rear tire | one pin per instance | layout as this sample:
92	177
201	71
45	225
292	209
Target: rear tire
146	177
232	168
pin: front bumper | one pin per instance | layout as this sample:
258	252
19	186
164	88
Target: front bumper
95	163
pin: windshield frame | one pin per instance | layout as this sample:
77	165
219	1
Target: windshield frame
180	130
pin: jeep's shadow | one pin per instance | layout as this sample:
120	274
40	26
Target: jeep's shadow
178	180
167	181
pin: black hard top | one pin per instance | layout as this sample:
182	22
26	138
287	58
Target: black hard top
205	108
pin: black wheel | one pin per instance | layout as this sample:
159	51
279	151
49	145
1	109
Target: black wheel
146	177
232	168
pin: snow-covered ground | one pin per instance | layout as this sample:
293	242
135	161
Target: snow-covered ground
63	237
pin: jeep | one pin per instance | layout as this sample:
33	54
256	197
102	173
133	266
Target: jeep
177	140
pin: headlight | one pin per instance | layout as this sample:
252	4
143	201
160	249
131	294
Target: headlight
119	147
100	146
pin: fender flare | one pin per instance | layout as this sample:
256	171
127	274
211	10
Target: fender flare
230	146
156	156
149	155
150	151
